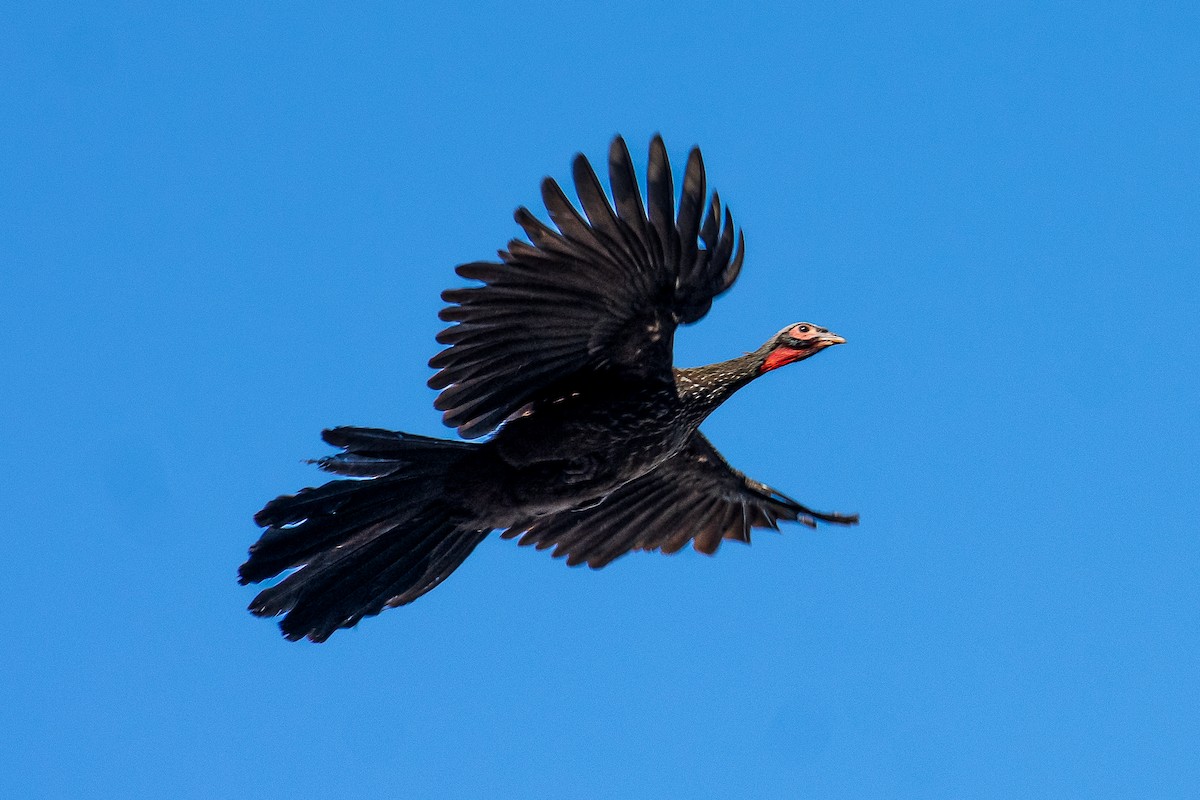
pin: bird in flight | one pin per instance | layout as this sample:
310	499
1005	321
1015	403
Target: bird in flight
563	352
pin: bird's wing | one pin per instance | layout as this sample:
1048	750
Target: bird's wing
695	495
604	289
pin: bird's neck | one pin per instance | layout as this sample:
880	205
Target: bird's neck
704	388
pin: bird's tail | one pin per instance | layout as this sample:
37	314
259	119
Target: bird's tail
361	545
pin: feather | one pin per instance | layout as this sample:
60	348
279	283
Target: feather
601	288
691	205
660	190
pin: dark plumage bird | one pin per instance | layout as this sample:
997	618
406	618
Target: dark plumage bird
564	349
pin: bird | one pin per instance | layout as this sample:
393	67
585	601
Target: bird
562	351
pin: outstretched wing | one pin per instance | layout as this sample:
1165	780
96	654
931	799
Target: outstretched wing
695	495
600	290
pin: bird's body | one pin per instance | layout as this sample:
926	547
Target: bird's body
593	435
565	352
582	441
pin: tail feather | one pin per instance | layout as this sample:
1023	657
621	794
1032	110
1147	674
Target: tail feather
306	503
375	452
385	443
372	557
361	545
446	557
358	466
281	548
390	570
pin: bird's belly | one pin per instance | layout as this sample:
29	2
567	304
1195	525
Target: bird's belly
558	461
587	471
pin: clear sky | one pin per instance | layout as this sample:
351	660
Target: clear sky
224	227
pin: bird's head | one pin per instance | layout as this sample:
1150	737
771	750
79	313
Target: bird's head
797	342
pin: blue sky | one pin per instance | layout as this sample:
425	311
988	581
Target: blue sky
224	228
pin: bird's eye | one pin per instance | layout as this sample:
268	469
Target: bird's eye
804	329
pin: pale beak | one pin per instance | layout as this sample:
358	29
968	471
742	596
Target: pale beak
831	338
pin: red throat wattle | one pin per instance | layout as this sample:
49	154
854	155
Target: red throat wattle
779	357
